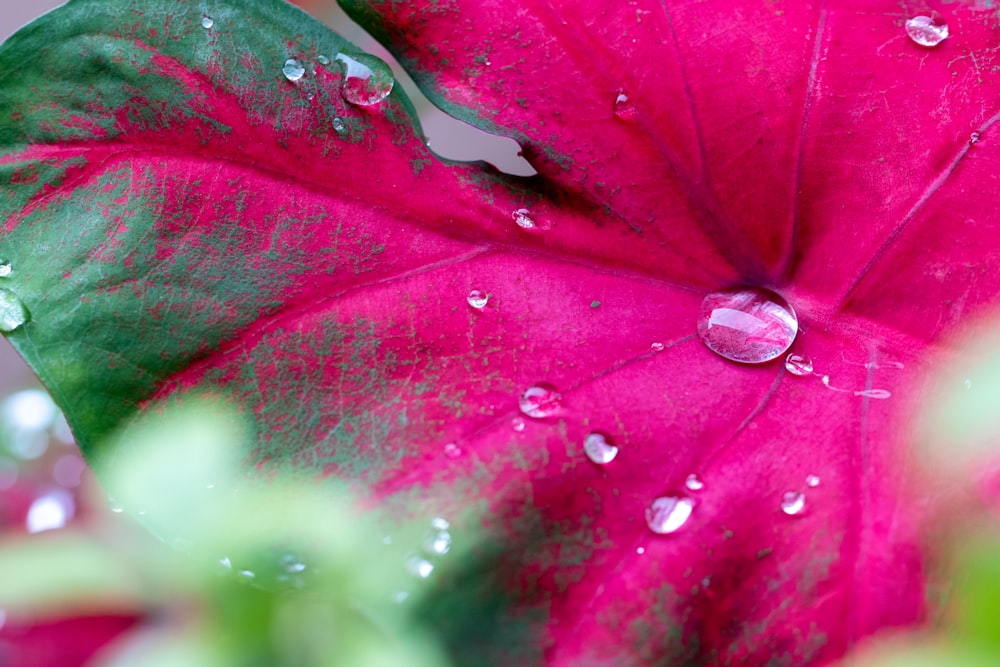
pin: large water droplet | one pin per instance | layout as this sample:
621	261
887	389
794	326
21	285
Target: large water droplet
207	22
668	513
747	324
796	364
367	79
624	106
598	449
694	483
793	502
478	299
13	314
522	217
5	269
927	31
293	70
540	401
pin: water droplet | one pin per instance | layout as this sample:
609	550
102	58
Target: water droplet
478	299
793	502
115	506
640	550
440	523
624	106
796	364
657	347
437	543
974	139
540	401
880	394
517	424
452	451
13	314
226	563
420	567
522	217
367	79
338	124
293	70
747	324
5	269
668	513
598	449
247	574
322	60
291	564
694	483
207	22
927	31
812	480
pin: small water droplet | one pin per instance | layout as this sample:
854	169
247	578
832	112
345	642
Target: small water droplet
880	394
440	523
13	314
338	124
291	564
207	22
624	107
694	483
540	401
668	513
975	138
247	574
517	424
598	449
420	567
452	451
640	550
5	269
322	60
747	324
367	79
522	217
812	480
927	31
115	506
657	347
226	563
478	299
293	70
793	502
796	364
437	543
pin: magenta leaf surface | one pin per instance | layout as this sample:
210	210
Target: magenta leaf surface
181	213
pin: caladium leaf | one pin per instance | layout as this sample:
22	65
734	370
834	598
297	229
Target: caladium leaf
191	200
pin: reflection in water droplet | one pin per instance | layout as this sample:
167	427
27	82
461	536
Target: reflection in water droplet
452	451
540	400
793	502
522	217
796	364
420	567
598	449
437	543
478	299
322	60
5	269
694	483
812	480
207	22
367	79
668	513
624	106
974	138
293	70
927	31
657	347
338	124
517	424
747	324
440	523
13	314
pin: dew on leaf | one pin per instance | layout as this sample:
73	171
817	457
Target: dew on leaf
437	543
657	346
812	480
927	31
598	449
522	217
452	451
338	124
440	523
293	70
419	566
517	424
749	325
624	107
694	483
667	514
793	502
322	60
13	314
540	401
975	138
5	269
115	506
367	79
477	299
207	22
796	364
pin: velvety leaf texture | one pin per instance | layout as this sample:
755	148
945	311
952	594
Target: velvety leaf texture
180	214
